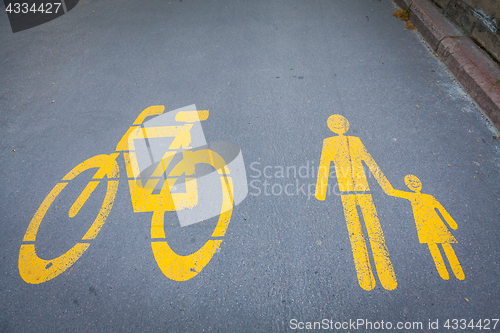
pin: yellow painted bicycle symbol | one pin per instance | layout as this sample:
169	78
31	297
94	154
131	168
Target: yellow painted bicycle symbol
35	270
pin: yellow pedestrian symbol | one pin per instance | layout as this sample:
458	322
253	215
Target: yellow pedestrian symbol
431	228
348	153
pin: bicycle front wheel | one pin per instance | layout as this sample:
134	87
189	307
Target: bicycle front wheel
182	268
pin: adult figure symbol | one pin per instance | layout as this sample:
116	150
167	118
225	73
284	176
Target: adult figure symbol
348	153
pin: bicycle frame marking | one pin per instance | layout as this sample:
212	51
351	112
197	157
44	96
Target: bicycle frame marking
35	270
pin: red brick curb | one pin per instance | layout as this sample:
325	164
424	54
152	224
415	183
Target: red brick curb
473	68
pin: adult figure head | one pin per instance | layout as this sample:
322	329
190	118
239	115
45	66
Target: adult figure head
338	124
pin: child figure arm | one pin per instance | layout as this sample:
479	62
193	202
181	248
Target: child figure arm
451	222
400	194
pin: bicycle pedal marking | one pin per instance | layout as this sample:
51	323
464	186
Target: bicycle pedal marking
35	270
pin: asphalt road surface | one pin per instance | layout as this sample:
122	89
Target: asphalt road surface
271	73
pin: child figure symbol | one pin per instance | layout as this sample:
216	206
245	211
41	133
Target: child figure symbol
431	228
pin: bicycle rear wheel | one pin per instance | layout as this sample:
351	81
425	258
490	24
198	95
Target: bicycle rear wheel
35	270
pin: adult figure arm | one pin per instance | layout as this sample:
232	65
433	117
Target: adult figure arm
323	172
374	168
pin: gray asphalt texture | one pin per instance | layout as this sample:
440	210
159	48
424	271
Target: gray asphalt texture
271	73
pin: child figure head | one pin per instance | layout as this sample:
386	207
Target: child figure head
413	183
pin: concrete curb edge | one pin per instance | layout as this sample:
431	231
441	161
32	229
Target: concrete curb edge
475	70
